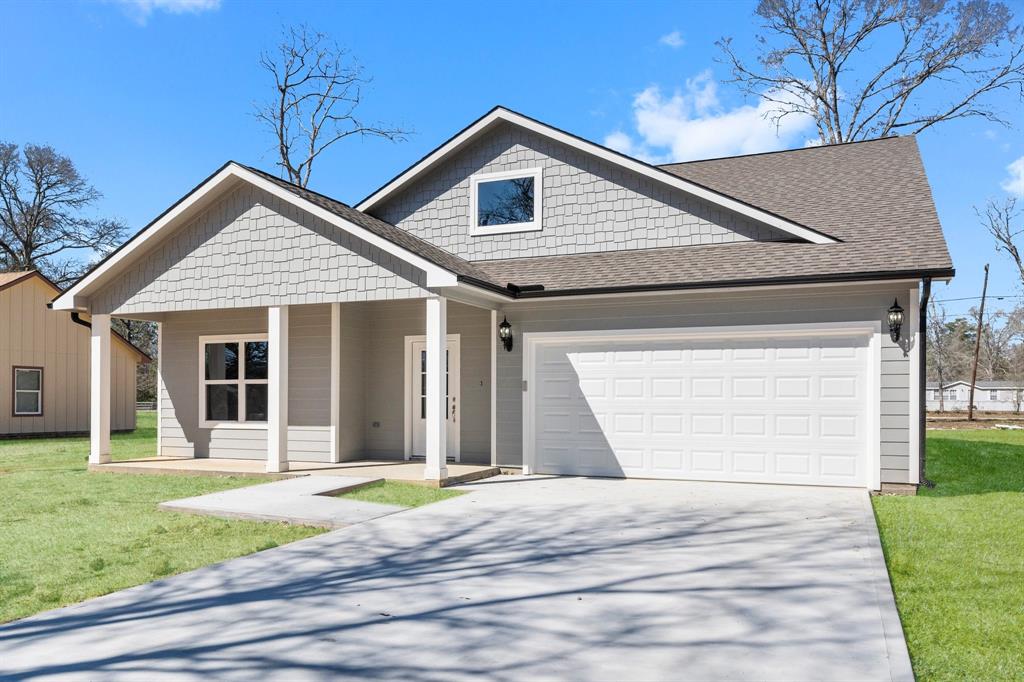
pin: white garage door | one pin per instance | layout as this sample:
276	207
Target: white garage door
787	410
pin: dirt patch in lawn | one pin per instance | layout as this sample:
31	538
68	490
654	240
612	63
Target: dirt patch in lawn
982	420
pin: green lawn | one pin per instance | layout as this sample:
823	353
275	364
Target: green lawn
956	558
402	494
67	535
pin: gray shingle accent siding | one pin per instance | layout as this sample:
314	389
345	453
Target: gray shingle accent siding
252	249
590	205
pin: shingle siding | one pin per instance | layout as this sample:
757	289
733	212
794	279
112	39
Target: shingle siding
252	249
590	205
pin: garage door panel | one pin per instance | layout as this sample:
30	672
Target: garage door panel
786	411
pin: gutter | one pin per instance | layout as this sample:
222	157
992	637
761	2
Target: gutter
922	377
77	319
525	291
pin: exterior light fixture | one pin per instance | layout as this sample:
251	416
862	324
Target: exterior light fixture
505	334
895	321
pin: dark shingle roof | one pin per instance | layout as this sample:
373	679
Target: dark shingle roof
874	196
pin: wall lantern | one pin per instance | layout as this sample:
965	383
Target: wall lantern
895	321
505	334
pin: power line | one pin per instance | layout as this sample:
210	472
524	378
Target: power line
975	298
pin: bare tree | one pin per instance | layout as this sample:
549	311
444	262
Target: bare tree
1003	221
872	68
142	335
318	88
938	343
42	226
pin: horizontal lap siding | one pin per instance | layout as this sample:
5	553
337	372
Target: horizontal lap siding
708	310
387	326
308	395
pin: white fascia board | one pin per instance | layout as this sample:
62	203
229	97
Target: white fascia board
75	297
601	152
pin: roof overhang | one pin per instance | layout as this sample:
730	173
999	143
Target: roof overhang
501	114
203	196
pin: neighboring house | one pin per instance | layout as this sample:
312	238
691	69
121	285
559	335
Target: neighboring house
712	320
44	364
989	396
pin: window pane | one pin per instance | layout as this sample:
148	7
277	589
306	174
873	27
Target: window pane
503	202
222	361
27	379
256	403
26	402
222	403
256	360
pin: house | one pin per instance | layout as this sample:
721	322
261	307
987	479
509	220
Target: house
989	396
44	364
524	297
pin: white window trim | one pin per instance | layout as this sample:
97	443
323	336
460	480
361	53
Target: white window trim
536	224
204	423
16	391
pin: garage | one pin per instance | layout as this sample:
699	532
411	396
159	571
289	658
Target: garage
794	406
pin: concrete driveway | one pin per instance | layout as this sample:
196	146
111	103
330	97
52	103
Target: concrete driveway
523	579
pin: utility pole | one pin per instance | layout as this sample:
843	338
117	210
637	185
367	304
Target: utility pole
977	348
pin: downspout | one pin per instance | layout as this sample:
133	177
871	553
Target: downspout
922	378
77	319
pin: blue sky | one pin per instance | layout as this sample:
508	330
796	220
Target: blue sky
150	96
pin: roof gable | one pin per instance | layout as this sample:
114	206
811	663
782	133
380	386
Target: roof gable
500	114
440	267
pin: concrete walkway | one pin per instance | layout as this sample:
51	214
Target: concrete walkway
525	578
304	501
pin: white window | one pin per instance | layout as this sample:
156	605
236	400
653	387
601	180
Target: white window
993	395
503	202
28	391
950	394
233	381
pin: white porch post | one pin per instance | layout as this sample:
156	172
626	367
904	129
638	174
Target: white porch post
494	387
437	424
99	390
335	382
277	391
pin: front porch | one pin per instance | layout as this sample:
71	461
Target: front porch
406	471
399	389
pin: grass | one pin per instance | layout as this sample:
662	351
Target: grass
956	558
68	535
401	494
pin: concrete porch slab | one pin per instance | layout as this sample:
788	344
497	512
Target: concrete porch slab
302	501
391	470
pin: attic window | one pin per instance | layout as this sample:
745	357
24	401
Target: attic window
503	202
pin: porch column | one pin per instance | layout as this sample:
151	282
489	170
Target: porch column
277	390
437	399
99	390
335	382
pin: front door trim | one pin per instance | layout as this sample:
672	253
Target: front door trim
407	409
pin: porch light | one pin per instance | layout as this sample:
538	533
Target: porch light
895	320
505	334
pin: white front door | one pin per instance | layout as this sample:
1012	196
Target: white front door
787	410
416	410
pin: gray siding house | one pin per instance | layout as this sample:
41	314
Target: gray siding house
525	298
989	396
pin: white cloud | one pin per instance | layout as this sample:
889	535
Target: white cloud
673	40
693	124
1014	182
141	10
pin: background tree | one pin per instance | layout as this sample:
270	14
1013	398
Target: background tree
318	88
143	335
1005	222
43	198
872	68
